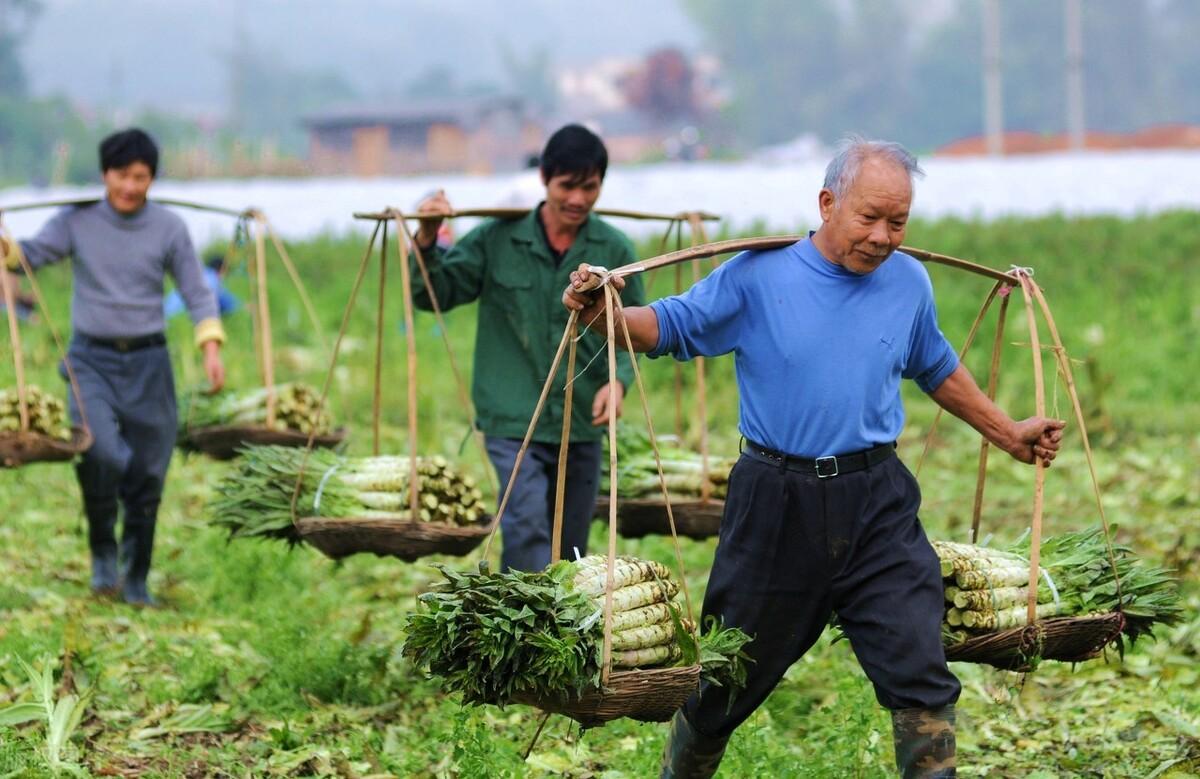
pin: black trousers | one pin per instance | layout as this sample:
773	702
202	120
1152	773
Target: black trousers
130	403
793	549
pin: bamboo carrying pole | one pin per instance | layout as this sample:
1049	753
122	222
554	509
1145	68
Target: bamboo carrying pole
87	201
517	213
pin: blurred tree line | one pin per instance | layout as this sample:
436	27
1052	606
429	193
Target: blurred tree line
835	66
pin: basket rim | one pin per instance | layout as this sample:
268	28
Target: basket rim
972	649
310	525
212	430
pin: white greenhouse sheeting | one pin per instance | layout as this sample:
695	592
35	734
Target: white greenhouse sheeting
782	197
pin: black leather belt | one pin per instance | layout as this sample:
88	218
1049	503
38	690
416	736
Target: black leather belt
822	467
126	344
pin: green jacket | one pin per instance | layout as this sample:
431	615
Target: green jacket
507	267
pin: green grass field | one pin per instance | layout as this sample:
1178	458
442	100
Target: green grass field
267	661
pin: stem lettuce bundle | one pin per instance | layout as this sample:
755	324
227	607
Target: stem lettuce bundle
296	408
987	589
255	497
683	470
47	414
496	636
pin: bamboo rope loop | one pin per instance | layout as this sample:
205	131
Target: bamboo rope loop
1039	488
297	282
263	322
697	236
14	334
537	413
40	299
460	384
410	341
240	230
377	389
662	480
993	378
337	346
609	584
962	353
564	444
1064	364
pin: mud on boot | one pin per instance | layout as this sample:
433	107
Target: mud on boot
925	745
104	573
690	754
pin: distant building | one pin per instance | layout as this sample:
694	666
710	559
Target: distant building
1163	136
470	135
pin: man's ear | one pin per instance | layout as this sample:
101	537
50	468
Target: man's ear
826	200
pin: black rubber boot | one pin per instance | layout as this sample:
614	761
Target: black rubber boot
924	739
690	754
137	547
102	541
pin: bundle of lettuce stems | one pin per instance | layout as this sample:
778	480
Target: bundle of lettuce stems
255	496
683	469
987	590
498	637
297	407
47	414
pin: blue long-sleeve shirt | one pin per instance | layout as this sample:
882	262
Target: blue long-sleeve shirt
819	350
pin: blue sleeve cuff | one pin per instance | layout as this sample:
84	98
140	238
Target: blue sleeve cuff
931	379
664	339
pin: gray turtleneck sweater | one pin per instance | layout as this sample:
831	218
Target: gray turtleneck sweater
120	262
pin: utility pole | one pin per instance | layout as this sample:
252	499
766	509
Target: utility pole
1074	43
993	102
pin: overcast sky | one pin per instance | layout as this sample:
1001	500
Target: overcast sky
170	53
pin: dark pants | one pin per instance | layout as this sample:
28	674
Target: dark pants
793	549
130	403
528	521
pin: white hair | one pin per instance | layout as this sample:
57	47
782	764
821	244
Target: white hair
853	150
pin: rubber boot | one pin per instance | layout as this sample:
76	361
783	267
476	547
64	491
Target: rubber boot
102	541
690	754
137	547
924	740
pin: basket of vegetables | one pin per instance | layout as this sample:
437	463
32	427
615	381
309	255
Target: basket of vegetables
1066	597
696	492
34	428
1080	607
538	639
283	415
347	505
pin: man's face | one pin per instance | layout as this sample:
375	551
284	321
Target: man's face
867	223
126	187
569	197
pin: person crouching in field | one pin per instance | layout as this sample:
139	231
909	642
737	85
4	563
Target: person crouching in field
515	269
821	516
121	249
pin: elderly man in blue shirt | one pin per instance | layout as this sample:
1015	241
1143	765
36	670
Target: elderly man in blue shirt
821	516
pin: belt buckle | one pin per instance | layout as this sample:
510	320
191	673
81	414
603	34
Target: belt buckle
123	344
821	462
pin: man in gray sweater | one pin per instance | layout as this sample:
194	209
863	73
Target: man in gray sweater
122	248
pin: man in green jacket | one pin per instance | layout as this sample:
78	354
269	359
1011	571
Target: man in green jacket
516	269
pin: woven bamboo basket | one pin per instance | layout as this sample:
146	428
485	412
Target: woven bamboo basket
409	541
693	518
221	442
1068	639
646	695
24	447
